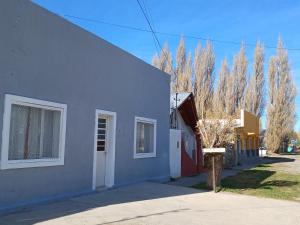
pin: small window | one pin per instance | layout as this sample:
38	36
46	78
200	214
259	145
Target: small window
101	134
34	133
145	138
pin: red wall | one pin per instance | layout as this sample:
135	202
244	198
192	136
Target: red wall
189	166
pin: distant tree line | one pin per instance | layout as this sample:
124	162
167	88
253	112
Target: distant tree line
223	94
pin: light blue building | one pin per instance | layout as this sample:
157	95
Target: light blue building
78	113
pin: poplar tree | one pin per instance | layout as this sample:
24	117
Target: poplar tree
188	73
180	66
220	103
239	74
204	64
181	80
230	96
164	62
184	69
281	105
255	101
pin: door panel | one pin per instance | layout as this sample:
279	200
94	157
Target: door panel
101	165
102	148
175	153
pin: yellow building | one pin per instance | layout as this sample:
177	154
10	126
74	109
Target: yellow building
247	132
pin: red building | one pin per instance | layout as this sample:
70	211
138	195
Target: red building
184	119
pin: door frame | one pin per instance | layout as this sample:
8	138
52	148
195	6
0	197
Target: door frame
110	157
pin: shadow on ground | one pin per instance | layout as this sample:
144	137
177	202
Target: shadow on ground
254	179
292	153
278	183
48	211
277	159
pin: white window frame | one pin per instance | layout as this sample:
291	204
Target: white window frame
27	163
149	121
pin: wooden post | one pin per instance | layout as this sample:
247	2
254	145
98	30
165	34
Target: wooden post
214	173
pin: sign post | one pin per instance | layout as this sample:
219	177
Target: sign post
214	163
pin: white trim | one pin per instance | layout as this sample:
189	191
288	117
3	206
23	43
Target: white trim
110	170
144	155
214	150
18	100
242	117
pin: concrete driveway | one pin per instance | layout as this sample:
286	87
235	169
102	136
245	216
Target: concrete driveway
151	203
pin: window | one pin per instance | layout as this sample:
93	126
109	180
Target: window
33	133
101	134
144	138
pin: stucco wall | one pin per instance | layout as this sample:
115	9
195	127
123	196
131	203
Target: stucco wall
188	135
249	136
45	57
251	123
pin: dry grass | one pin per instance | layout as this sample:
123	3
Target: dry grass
264	182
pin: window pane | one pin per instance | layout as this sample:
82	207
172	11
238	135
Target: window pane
100	148
101	125
34	133
51	134
101	132
18	127
145	138
101	120
100	142
101	135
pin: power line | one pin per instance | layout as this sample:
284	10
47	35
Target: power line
162	51
149	24
149	15
154	35
128	27
108	23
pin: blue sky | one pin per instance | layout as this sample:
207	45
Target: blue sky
232	20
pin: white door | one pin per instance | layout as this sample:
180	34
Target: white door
102	148
104	155
175	153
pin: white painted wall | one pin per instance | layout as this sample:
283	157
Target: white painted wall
188	134
175	153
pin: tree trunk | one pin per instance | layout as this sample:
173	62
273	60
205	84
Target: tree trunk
218	164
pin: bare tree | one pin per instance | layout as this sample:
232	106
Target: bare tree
239	74
188	73
156	61
164	62
217	132
204	78
220	104
254	100
198	78
184	69
181	80
180	66
230	96
281	106
273	130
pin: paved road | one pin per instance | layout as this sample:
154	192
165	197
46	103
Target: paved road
151	203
